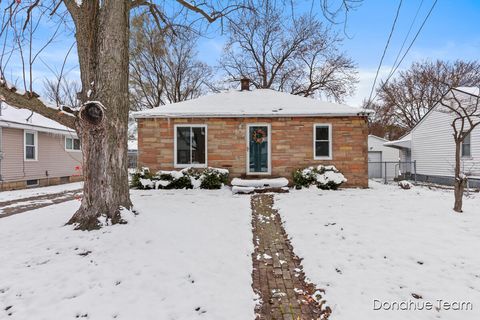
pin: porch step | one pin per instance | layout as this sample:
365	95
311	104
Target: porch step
248	186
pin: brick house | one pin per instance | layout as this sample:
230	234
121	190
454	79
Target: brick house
259	133
36	151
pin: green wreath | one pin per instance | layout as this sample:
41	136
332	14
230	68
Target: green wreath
258	135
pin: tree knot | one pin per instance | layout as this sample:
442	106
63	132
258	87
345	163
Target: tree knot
92	112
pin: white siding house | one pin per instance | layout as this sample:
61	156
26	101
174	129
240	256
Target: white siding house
430	143
378	153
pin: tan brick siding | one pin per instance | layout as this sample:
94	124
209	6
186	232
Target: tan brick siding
291	139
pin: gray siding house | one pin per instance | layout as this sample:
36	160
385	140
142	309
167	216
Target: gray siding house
36	151
430	143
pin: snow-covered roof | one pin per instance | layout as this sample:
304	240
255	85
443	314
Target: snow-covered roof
25	119
256	103
404	142
132	145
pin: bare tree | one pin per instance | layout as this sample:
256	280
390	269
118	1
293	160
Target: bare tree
381	123
163	67
63	92
295	55
463	104
409	96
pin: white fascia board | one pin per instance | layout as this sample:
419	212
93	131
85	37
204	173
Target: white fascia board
15	125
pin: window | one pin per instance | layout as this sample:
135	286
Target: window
72	144
30	142
190	145
322	141
32	183
466	148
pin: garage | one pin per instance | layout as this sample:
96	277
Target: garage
374	164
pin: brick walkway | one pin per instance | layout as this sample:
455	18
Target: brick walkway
278	276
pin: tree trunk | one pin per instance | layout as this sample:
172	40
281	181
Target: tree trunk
459	184
102	33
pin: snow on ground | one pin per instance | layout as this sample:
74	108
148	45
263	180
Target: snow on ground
26	193
386	243
187	255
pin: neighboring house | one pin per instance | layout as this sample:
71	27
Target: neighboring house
259	133
36	151
430	144
381	157
132	153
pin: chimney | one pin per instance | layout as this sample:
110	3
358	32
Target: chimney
244	84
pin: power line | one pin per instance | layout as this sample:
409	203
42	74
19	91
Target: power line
406	38
385	49
409	47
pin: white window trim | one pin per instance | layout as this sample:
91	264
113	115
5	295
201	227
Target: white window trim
35	138
72	150
269	171
330	146
181	165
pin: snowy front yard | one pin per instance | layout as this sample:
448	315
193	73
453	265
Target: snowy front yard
187	255
386	244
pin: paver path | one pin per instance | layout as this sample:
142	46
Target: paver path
11	207
278	276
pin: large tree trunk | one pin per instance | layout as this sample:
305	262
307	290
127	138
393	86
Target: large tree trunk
459	184
102	39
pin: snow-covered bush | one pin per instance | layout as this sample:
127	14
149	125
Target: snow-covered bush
188	178
142	179
213	178
324	177
404	184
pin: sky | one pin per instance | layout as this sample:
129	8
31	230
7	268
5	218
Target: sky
451	32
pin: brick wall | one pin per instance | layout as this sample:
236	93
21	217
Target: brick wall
291	139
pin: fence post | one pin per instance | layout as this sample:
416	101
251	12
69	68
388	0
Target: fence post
385	172
415	169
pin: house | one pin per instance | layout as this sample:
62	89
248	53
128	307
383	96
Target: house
259	133
132	153
36	151
431	146
381	159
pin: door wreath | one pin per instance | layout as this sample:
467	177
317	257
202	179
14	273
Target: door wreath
258	135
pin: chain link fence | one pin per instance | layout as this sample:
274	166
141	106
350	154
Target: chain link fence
392	170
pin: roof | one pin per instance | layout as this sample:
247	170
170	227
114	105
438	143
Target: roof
132	145
256	103
377	137
474	91
25	119
404	142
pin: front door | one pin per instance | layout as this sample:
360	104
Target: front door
258	149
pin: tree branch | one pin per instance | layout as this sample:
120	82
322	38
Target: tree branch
30	101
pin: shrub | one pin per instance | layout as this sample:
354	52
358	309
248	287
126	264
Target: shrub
324	177
188	178
140	179
213	178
